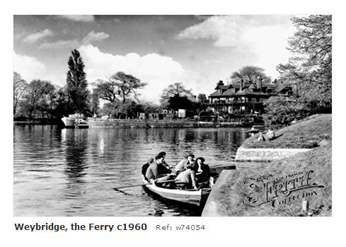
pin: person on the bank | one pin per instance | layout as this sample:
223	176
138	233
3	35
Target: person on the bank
270	134
202	170
187	178
157	171
184	163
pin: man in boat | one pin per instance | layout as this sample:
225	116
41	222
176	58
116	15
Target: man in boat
183	164
202	172
187	178
164	161
157	171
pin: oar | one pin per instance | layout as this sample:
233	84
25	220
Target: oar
135	185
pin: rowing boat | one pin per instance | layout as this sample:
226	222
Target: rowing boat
180	195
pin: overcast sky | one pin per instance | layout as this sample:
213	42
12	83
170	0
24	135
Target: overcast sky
160	50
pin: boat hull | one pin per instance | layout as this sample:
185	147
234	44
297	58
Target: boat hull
74	123
185	196
68	122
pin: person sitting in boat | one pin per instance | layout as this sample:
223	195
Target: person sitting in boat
187	178
202	171
157	171
182	165
164	161
145	167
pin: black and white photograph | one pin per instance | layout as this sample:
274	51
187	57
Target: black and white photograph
197	124
227	115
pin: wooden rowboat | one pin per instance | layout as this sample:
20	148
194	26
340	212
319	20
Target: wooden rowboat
180	195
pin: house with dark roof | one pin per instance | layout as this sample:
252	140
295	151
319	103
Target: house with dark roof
245	97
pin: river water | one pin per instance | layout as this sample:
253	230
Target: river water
71	172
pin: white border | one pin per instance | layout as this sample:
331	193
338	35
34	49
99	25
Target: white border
220	231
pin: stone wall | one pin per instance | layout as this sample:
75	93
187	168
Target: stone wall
266	154
139	123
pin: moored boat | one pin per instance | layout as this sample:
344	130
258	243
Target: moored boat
180	195
68	122
75	121
80	123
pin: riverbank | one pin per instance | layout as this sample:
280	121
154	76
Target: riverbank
296	185
140	123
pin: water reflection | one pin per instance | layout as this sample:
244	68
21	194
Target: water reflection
67	172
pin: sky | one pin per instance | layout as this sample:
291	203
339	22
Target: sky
196	50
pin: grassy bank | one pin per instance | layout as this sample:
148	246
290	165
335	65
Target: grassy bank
310	132
281	187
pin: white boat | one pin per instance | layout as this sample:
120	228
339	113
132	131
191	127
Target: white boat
68	122
74	121
80	123
179	195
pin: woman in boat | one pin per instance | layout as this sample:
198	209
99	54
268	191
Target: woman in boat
183	164
202	171
145	167
157	171
187	178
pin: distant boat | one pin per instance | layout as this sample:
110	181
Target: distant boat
75	121
68	122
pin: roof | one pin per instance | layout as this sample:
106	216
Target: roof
215	94
228	92
279	87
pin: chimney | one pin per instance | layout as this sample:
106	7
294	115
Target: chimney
241	85
259	82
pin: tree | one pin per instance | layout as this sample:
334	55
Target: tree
77	86
309	69
38	97
119	87
128	85
249	74
120	110
95	102
202	98
179	102
19	86
62	103
108	90
175	90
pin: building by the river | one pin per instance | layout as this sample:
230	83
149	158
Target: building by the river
245	97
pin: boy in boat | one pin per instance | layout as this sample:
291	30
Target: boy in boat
157	171
183	164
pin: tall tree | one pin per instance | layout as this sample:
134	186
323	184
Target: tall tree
77	86
249	74
19	86
175	90
310	67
